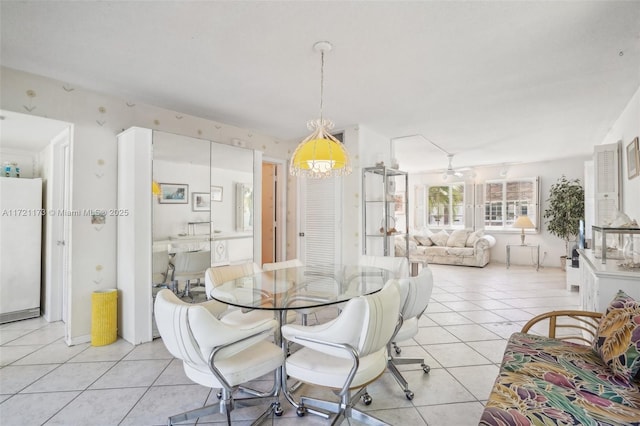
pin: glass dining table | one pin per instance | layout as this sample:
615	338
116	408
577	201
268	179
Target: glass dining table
300	289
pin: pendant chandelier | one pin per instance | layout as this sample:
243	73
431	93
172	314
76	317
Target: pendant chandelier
320	155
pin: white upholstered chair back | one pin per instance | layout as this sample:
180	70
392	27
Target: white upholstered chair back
172	319
160	266
220	274
415	293
381	317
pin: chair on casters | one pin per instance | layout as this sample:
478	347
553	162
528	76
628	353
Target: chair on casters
346	353
415	293
215	354
161	270
190	266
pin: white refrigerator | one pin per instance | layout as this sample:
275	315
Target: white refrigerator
21	217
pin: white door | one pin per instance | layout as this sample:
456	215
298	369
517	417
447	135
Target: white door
319	232
60	223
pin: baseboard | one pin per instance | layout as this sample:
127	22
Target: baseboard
77	340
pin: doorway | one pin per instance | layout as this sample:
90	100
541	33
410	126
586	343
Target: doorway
43	148
273	211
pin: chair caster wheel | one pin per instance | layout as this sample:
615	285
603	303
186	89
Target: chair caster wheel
398	350
409	395
301	411
219	394
366	399
277	410
426	368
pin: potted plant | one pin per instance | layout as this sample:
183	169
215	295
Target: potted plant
566	208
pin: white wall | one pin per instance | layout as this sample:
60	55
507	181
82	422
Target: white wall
97	119
627	127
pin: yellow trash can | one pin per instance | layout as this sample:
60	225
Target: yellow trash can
104	317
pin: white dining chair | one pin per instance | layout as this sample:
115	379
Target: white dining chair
345	354
415	293
215	354
190	266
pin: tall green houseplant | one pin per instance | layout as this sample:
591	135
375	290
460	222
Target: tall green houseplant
566	208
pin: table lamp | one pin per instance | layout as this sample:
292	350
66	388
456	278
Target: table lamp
523	222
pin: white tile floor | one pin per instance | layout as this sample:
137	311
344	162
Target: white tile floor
462	337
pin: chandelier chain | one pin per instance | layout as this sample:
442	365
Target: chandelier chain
321	82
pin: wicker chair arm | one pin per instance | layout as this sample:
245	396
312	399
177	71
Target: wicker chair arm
583	323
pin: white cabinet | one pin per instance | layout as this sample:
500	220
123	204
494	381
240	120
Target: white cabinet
601	282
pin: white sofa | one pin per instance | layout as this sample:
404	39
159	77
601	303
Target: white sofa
460	247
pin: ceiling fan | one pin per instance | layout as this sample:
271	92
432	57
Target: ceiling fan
451	171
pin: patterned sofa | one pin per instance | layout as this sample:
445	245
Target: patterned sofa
460	247
557	381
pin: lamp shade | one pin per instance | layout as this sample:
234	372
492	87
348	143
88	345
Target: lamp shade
320	155
523	222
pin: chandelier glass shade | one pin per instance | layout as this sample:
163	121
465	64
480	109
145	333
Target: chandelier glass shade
320	155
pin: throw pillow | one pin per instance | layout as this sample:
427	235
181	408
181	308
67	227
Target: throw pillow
440	238
473	237
423	240
618	338
458	238
422	236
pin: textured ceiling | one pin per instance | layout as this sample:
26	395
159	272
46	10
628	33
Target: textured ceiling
492	82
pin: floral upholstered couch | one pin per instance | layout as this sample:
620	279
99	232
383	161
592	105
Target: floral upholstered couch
459	247
550	381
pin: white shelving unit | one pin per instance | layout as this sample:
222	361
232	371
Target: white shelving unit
385	210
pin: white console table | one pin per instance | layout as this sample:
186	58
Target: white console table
532	247
600	282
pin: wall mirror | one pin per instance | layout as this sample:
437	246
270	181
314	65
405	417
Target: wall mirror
204	217
244	207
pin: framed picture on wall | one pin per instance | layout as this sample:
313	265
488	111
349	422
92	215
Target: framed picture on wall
633	159
174	193
200	202
216	193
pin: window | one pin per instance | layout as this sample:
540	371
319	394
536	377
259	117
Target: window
439	206
505	200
